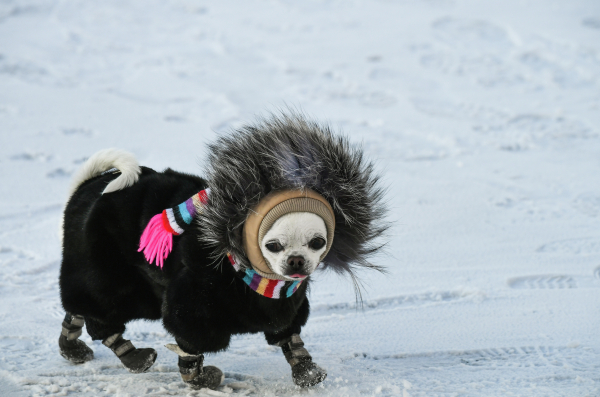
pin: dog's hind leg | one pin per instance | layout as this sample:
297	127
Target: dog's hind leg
135	360
70	346
111	334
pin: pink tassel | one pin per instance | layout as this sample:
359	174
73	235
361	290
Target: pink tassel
156	241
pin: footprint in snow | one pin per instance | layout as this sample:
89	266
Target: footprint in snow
77	131
32	156
588	204
593	23
472	34
59	173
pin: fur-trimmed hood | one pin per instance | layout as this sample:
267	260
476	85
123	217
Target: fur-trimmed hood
289	152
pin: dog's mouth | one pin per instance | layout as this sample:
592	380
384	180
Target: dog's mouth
298	276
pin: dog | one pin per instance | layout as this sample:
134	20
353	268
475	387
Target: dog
231	253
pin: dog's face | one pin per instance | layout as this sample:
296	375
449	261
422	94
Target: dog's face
294	244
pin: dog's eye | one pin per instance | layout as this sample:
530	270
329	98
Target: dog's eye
316	243
274	246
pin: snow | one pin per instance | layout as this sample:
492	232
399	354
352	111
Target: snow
483	118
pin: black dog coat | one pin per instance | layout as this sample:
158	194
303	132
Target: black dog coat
200	297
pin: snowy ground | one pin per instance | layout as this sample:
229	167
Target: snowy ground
484	117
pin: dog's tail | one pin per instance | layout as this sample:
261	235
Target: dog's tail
105	160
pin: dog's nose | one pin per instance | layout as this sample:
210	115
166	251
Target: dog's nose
295	262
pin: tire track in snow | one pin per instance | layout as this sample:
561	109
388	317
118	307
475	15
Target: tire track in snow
396	302
543	282
555	281
573	358
572	246
49	209
527	370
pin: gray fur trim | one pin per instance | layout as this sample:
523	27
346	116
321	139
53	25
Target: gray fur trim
289	152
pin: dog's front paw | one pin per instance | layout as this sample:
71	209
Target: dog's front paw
307	373
209	377
194	373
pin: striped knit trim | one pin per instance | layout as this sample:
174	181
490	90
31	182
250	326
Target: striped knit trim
177	219
266	287
157	238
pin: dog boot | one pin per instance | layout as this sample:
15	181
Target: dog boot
135	360
305	372
194	373
71	347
